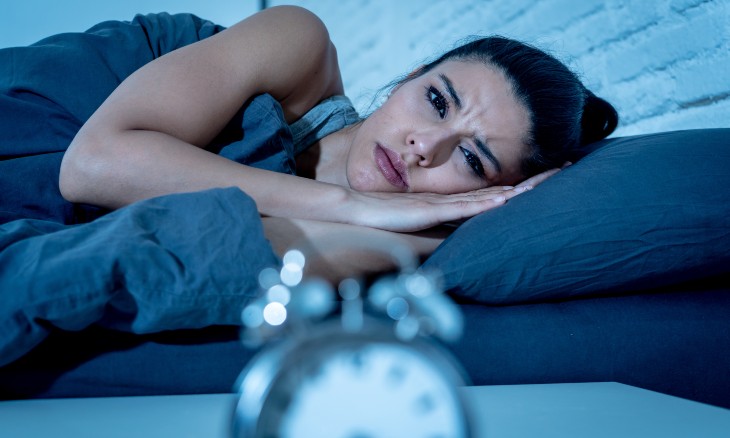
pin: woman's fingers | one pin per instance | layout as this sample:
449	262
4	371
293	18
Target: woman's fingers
494	192
407	212
417	211
506	192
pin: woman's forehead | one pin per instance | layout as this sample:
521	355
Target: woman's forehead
484	91
475	73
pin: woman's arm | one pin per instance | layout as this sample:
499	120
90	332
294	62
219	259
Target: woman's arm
348	258
148	138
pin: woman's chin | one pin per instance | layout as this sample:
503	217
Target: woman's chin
374	188
363	182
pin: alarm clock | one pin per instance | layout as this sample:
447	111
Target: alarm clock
351	361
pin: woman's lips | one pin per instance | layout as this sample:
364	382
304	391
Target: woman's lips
391	166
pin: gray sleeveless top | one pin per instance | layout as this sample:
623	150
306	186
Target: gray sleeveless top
326	117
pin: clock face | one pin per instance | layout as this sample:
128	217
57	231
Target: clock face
367	390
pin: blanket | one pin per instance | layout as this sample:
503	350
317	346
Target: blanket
179	261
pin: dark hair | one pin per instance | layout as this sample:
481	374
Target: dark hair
564	114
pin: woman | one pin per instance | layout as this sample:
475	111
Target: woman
451	141
440	149
454	138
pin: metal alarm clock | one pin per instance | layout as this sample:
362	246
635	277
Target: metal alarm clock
350	362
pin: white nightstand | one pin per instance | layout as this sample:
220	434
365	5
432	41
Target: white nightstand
558	410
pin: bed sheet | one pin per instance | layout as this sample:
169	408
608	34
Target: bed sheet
674	342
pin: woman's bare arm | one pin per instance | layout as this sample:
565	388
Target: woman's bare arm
334	250
148	138
347	258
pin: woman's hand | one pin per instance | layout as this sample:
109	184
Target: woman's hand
408	212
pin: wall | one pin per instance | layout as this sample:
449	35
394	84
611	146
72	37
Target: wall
24	22
663	63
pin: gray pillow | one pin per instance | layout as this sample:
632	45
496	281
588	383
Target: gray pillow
636	213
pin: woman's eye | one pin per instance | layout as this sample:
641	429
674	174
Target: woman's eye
473	161
438	101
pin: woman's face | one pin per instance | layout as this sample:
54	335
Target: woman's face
454	129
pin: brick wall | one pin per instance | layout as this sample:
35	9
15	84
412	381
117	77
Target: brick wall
664	63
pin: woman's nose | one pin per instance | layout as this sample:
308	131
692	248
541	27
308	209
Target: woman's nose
428	146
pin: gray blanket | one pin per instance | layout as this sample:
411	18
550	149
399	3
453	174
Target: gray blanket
155	265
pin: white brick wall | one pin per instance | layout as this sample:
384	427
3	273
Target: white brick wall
663	63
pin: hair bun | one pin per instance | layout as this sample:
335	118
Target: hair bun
599	119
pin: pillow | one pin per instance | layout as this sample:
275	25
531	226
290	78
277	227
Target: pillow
636	213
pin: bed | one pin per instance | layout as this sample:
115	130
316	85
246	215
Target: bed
616	269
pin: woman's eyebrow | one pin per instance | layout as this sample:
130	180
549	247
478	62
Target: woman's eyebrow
451	90
481	144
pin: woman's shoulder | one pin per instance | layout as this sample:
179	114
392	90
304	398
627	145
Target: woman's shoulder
295	15
309	29
304	53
